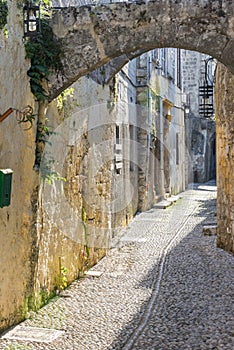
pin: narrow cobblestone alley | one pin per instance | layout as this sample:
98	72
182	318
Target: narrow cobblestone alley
165	286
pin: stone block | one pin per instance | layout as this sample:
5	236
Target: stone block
209	230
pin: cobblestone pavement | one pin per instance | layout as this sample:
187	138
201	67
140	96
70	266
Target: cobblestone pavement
164	287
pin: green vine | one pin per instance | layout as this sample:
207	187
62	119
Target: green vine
62	279
44	132
3	13
44	53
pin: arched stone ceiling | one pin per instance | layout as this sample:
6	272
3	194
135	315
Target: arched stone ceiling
91	36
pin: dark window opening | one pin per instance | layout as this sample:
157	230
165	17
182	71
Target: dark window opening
117	134
179	77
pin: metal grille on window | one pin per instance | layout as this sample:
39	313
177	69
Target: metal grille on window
206	92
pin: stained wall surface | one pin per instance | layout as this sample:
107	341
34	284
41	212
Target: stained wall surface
18	235
224	99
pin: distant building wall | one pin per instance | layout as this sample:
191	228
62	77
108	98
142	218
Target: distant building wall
200	131
168	89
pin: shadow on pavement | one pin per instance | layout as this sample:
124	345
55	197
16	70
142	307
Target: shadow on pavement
195	306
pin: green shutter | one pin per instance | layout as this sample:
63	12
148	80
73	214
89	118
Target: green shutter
5	187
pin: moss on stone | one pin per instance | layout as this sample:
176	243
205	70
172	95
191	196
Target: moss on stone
3	13
35	302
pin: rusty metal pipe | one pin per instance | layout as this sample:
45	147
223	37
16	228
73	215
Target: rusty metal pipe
6	114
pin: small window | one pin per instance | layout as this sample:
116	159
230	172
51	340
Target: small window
118	171
117	134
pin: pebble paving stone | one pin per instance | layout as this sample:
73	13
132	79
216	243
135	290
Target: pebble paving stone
165	286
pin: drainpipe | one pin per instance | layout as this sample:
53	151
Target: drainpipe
149	98
161	129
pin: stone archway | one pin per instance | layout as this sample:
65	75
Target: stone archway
91	36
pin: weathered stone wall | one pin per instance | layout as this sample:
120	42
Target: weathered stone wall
224	104
193	74
49	227
146	118
74	214
80	218
201	143
17	150
37	243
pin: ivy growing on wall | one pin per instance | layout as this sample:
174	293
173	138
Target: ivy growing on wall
3	13
45	54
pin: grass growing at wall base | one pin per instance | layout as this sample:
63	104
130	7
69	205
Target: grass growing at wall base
33	303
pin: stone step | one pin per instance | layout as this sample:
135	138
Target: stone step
165	203
173	199
162	204
209	230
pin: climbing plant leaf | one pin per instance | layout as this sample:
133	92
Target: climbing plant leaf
45	55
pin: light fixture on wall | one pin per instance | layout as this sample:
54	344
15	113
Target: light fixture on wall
32	19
